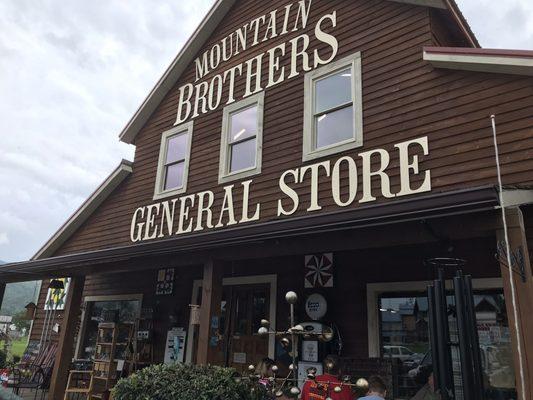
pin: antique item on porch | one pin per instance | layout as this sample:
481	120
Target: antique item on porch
448	350
112	360
143	354
319	271
165	281
55	301
291	338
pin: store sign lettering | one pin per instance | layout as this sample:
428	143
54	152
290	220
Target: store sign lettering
195	212
201	97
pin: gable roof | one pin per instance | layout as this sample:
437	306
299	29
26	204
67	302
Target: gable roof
85	210
202	34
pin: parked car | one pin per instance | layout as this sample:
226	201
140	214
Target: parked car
402	353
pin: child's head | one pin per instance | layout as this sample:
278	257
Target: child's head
377	386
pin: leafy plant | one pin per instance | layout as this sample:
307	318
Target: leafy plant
187	382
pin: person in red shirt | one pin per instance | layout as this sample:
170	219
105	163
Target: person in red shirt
328	385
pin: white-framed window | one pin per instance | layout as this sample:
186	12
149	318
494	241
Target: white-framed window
173	165
333	108
242	139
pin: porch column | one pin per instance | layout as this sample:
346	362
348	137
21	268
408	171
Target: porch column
65	350
211	298
523	289
2	292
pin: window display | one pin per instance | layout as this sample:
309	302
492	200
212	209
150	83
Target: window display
123	311
404	336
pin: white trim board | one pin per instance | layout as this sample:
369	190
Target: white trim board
424	3
86	209
482	63
240	280
374	290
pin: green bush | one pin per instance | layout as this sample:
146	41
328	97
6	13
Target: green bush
186	382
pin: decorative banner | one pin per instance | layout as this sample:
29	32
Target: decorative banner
319	270
56	298
165	281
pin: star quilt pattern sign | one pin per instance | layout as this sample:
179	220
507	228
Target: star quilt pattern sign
319	270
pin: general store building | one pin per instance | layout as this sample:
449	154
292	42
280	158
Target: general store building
325	147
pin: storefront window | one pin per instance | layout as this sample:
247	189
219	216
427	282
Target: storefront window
126	311
404	336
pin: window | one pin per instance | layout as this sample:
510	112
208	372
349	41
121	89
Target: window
173	166
404	334
333	115
242	139
127	311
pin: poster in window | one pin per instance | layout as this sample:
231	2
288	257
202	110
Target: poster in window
319	270
175	345
165	281
56	298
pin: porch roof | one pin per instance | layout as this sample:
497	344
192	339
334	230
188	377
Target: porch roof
107	260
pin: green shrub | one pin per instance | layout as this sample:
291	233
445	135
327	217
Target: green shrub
186	382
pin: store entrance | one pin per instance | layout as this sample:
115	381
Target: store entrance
243	308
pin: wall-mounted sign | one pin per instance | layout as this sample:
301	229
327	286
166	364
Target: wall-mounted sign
165	281
212	90
316	306
319	270
190	213
310	350
175	345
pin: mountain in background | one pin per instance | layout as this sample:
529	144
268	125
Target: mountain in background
17	296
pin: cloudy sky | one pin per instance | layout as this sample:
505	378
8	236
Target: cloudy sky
73	72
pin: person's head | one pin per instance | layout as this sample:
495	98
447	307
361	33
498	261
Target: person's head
431	382
377	387
331	364
264	368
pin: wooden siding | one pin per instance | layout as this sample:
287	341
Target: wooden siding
403	98
346	300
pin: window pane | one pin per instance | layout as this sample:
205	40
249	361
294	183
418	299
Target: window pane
127	312
177	148
243	124
242	155
174	176
334	127
333	91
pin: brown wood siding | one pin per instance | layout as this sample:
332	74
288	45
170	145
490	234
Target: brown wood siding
403	98
347	305
143	283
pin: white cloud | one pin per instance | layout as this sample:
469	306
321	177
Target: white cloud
3	238
73	72
71	76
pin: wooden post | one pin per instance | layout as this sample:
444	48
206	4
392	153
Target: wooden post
523	296
2	292
211	299
65	350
